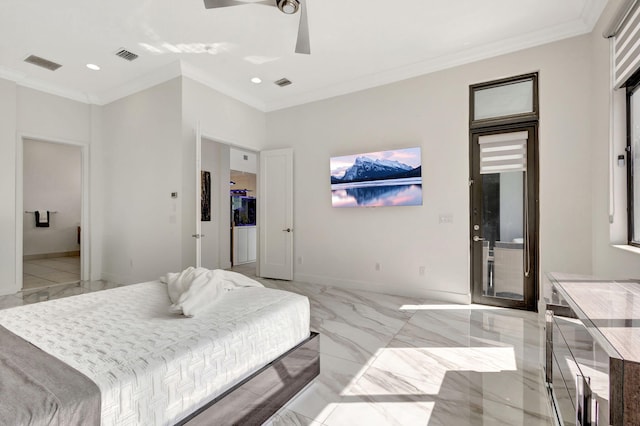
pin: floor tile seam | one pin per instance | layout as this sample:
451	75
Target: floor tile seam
53	284
53	271
45	284
63	270
42	278
35	275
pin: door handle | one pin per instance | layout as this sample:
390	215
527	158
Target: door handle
287	230
196	236
476	238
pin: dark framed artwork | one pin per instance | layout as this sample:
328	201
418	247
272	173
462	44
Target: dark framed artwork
205	188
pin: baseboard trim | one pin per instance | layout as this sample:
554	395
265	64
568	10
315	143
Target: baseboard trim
112	278
74	253
385	288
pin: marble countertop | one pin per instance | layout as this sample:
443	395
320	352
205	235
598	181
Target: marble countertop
607	307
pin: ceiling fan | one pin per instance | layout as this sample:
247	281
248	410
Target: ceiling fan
286	6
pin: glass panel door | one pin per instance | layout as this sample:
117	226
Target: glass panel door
503	217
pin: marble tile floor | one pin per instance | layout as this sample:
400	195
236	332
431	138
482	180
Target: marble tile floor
51	271
54	291
390	360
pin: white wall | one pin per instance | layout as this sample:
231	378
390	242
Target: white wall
95	224
26	112
51	117
223	120
142	150
8	99
52	181
141	156
342	246
608	261
239	163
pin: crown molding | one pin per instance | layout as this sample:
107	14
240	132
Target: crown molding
143	82
21	79
585	24
534	39
208	80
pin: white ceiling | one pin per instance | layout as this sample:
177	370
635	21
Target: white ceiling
355	44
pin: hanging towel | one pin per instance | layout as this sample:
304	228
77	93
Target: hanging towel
42	218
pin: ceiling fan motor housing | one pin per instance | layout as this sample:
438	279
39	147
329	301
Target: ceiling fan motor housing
288	6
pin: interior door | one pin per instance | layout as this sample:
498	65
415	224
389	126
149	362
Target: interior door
276	214
503	233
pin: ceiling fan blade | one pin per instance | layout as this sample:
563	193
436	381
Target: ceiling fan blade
212	4
303	45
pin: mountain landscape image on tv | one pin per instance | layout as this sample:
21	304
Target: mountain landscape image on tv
373	179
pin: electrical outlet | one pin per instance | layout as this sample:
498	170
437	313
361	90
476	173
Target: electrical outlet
300	260
378	267
421	271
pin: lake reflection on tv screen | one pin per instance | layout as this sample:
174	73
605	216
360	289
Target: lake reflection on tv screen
377	196
382	178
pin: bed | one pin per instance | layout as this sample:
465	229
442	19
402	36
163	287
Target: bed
237	362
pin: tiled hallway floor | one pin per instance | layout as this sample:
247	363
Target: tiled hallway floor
390	360
45	272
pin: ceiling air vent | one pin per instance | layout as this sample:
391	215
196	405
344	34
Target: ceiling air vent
41	62
283	82
125	54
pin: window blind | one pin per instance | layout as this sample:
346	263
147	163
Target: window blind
627	46
504	152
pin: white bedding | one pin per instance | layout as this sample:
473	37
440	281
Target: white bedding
154	367
197	289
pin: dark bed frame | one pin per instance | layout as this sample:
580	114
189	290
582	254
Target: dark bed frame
259	396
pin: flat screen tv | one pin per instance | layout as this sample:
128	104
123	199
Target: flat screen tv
373	179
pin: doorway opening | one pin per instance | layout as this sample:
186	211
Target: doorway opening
52	193
228	206
274	208
244	236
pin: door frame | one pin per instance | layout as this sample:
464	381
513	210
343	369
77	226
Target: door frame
203	134
531	243
85	224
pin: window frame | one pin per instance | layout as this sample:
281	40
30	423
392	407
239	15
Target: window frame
632	87
504	119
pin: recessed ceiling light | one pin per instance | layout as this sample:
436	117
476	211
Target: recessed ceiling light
93	67
256	80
